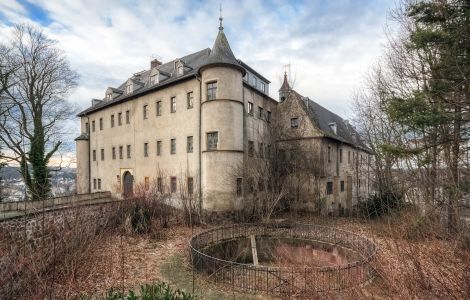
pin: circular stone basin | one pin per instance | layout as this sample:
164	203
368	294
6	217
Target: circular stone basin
282	259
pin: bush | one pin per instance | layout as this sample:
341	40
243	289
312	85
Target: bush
155	291
139	218
380	204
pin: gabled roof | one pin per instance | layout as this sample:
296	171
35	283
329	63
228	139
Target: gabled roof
322	118
168	76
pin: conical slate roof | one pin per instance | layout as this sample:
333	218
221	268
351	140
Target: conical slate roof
285	85
221	54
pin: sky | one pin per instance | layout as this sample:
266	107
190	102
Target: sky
329	45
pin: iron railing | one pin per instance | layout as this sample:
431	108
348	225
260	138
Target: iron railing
298	280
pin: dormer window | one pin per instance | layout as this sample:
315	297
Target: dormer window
129	88
179	67
109	96
154	76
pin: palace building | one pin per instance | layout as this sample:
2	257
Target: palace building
186	124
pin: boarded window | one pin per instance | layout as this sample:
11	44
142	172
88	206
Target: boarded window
212	140
211	90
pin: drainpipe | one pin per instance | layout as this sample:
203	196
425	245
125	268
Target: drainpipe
200	143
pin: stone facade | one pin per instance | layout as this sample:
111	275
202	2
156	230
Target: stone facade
169	125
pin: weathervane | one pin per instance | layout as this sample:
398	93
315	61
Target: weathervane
220	18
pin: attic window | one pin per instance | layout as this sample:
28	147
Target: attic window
109	96
179	68
129	88
154	77
294	122
333	127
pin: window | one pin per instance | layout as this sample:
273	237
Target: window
102	154
119	119
173	184
128	116
87	127
94	183
173	146
179	69
268	116
128	88
121	156
190	99
145	111
112	121
189	144
159	148
212	140
211	90
251	148
159	108
329	188
329	154
160	184
250	108
128	151
93	126
294	122
239	187
342	185
114	152
190	185
340	155
261	149
99	183
146	183
349	157
94	155
101	123
262	86
260	112
109	96
146	149
173	104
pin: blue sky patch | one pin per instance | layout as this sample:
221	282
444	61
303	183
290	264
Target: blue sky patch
36	13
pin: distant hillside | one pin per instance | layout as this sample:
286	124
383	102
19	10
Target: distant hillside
13	173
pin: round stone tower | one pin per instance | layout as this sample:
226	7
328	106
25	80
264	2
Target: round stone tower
221	125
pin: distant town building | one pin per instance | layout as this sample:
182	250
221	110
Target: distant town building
187	123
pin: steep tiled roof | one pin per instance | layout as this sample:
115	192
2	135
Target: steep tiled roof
322	118
168	76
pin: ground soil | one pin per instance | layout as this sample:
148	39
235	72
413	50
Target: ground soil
439	268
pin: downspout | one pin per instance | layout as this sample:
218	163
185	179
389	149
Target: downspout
89	153
200	143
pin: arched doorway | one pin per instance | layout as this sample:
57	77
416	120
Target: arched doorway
128	184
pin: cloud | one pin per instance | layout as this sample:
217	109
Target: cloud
329	44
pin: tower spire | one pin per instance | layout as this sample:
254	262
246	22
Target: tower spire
220	18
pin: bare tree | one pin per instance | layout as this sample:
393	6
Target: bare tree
35	79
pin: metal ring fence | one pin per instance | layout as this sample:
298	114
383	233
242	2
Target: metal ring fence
278	281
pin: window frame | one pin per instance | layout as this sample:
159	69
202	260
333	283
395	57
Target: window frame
112	121
211	90
173	104
294	122
128	116
341	184
93	127
159	147
190	100
145	112
173	146
119	118
209	140
113	152
250	108
173	184
94	154
146	149
101	124
102	154
260	112
329	187
128	152
121	152
189	144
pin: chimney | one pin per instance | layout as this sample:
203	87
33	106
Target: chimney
155	63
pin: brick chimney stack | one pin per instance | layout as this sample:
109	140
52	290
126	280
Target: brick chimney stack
155	63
